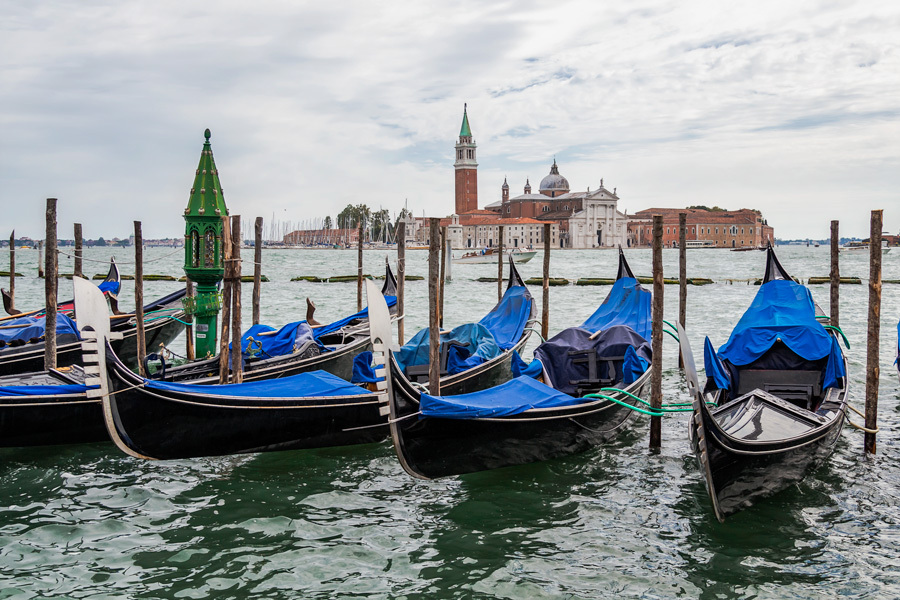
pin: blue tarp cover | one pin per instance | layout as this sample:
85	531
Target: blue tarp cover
715	370
783	310
290	337
337	325
110	286
363	372
304	385
626	304
44	390
507	320
25	328
511	398
534	369
479	347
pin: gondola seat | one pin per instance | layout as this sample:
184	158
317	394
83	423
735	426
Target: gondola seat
598	377
801	387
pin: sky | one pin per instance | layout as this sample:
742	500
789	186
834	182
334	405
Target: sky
792	108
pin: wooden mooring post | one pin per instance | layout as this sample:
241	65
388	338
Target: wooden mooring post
257	267
51	283
833	315
434	334
237	361
682	277
12	270
40	258
359	269
79	250
545	300
874	331
141	338
401	276
500	264
656	342
443	278
225	329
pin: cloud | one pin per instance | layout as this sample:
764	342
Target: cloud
780	106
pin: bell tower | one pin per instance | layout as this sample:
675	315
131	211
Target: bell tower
466	169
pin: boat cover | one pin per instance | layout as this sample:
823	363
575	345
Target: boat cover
562	369
507	320
44	390
287	339
338	325
517	364
478	346
363	370
626	304
510	398
314	384
715	370
26	328
784	311
111	287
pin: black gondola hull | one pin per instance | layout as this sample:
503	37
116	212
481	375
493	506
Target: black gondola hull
170	425
51	420
739	474
432	447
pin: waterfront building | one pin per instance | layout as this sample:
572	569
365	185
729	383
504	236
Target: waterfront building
744	228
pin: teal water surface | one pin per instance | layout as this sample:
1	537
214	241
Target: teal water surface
618	521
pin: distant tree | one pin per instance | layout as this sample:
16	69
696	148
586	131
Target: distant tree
101	242
327	222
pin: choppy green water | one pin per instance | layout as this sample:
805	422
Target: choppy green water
619	521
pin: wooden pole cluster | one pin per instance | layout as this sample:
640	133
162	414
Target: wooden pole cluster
401	276
79	243
434	358
874	330
12	269
500	265
139	297
656	342
257	267
189	328
545	300
237	362
443	278
50	284
835	275
359	270
226	301
682	276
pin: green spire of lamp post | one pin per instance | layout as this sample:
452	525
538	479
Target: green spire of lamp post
203	259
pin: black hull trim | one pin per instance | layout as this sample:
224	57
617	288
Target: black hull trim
51	420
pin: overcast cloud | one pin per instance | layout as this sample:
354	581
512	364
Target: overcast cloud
789	107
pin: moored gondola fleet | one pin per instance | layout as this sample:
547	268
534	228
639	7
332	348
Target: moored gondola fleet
771	410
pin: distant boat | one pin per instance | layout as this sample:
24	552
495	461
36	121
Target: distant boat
863	247
489	255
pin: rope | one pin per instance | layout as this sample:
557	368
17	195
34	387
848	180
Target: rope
860	427
106	262
838	329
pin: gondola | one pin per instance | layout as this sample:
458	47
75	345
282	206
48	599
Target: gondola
166	420
22	343
49	407
775	399
297	347
109	286
588	377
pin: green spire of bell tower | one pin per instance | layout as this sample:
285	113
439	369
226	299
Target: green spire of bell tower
464	131
203	256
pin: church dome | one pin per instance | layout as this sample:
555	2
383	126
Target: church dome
554	181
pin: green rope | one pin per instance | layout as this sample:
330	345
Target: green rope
173	318
625	404
672	334
838	329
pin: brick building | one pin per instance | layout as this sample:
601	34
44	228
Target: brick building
744	228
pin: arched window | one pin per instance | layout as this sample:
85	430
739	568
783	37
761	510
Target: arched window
209	249
195	248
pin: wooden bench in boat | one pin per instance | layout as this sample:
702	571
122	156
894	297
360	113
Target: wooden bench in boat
801	388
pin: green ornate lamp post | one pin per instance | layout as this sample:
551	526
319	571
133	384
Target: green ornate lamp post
203	257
